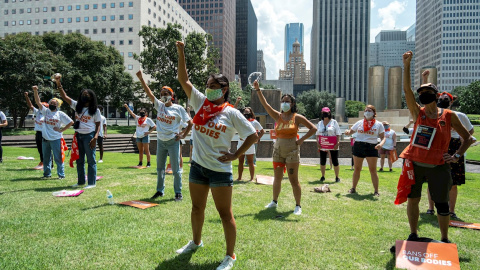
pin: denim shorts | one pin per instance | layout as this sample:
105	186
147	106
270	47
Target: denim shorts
203	176
145	139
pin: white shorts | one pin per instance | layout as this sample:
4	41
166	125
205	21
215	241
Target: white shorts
250	150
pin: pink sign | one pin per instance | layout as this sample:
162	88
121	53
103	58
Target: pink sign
327	142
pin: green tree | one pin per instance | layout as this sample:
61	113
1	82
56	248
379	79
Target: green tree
236	91
314	101
458	91
469	100
159	58
352	108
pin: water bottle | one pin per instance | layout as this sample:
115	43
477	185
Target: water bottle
110	197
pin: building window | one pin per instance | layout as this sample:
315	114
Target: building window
29	22
121	4
86	31
5	12
95	6
78	7
69	20
86	19
61	8
121	53
21	11
130	29
130	42
69	8
5	23
45	9
120	42
95	31
14	23
112	30
122	29
130	16
78	19
53	9
45	21
130	67
86	7
104	30
130	4
37	21
112	42
121	17
104	6
95	18
112	5
112	17
52	21
104	18
60	20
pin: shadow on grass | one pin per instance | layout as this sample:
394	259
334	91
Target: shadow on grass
182	261
242	182
391	263
358	197
20	169
428	219
272	213
50	189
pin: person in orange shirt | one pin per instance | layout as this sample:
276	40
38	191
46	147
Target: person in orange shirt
286	150
428	151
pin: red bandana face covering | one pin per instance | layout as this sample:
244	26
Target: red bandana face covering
141	120
207	111
368	124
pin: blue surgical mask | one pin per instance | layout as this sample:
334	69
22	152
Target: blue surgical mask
285	106
213	94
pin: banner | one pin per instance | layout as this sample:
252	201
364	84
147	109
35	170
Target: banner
426	255
475	226
139	204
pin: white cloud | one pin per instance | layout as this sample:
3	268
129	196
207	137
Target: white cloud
388	17
373	4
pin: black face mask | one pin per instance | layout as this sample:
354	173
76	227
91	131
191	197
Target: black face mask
52	107
85	99
325	115
427	98
247	115
142	114
443	103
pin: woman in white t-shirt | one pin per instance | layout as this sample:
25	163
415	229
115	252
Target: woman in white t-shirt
216	122
38	127
87	115
52	134
145	126
250	116
368	131
170	118
3	123
328	127
389	146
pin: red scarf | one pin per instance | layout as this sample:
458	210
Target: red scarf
207	111
405	182
251	119
141	120
75	153
368	124
387	129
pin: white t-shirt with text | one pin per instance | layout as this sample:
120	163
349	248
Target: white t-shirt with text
216	135
169	120
53	119
370	136
87	121
38	119
143	128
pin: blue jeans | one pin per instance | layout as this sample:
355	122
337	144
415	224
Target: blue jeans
83	141
171	147
47	148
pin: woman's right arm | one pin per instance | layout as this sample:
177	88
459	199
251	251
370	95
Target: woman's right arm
130	111
145	86
62	92
36	97
272	112
412	105
29	103
182	70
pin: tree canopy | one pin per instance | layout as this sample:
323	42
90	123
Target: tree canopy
313	101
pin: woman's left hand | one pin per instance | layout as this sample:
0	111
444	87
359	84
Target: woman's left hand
227	156
299	142
449	158
378	146
57	129
93	143
336	146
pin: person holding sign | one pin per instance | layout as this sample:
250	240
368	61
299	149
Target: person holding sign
170	118
445	101
87	127
368	131
52	133
216	122
145	126
286	150
428	151
389	146
328	132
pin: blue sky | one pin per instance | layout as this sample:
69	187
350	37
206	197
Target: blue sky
273	15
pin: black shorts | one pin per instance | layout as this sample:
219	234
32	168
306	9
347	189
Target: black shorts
100	140
364	149
439	182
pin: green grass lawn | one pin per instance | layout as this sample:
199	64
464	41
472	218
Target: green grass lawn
110	130
335	231
473	152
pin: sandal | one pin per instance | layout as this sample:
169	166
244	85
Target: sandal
430	212
352	190
376	194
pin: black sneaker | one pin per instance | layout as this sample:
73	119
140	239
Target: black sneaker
453	215
412	237
148	164
337	180
178	197
430	212
352	191
322	179
445	240
157	194
139	164
61	177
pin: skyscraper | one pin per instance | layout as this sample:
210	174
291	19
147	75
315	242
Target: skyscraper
261	64
411	33
447	37
340	47
246	40
218	19
387	51
293	31
295	68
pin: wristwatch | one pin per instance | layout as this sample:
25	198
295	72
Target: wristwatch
456	155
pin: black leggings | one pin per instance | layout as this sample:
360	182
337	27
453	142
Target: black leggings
323	157
38	141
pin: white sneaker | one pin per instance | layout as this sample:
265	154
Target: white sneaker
272	204
298	210
227	263
90	186
189	247
100	161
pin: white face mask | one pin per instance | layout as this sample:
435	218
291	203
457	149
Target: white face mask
368	115
166	99
285	106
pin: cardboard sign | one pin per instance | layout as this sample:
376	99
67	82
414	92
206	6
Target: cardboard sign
426	255
423	137
475	226
264	180
25	158
138	167
327	142
139	204
273	134
67	193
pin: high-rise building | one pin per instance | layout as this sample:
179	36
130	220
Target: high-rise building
261	64
293	32
411	33
387	51
340	47
218	19
246	40
295	69
447	37
115	23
